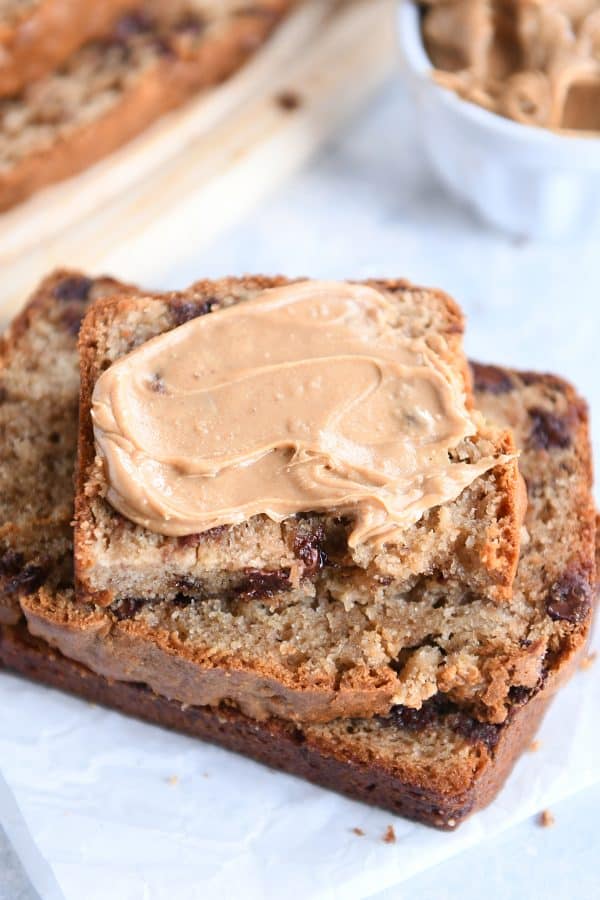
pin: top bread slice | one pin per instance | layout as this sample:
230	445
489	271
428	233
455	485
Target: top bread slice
472	542
157	56
37	36
345	607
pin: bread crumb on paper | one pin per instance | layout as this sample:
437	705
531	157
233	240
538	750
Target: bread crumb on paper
173	780
588	661
389	836
288	101
546	819
358	831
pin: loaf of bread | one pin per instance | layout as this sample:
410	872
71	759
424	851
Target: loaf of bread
436	764
38	36
286	617
111	89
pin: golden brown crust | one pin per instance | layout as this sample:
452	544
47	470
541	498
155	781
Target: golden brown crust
167	84
45	35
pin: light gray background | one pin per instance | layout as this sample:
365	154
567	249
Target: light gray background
370	206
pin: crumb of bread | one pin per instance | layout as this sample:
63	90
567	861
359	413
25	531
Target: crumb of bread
358	831
546	819
390	835
534	746
173	780
588	661
288	100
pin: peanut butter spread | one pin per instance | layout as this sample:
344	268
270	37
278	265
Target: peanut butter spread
535	61
309	397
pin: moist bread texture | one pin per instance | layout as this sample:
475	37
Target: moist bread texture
283	618
108	91
37	36
437	764
39	388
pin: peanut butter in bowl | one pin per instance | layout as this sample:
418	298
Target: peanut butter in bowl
534	61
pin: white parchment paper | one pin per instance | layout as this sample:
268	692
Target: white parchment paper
99	805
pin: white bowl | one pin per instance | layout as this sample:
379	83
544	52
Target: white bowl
528	181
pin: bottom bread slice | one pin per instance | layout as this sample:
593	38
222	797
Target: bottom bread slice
436	766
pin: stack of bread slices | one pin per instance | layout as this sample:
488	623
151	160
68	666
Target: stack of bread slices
408	671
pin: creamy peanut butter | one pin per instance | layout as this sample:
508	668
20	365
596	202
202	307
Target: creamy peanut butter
309	397
535	61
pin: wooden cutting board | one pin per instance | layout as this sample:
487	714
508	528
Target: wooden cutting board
205	166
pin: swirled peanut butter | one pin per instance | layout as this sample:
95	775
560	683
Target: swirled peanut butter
309	397
535	61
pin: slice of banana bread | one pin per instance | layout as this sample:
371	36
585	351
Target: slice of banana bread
39	392
37	36
286	617
110	90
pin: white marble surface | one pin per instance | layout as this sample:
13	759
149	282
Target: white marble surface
370	206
